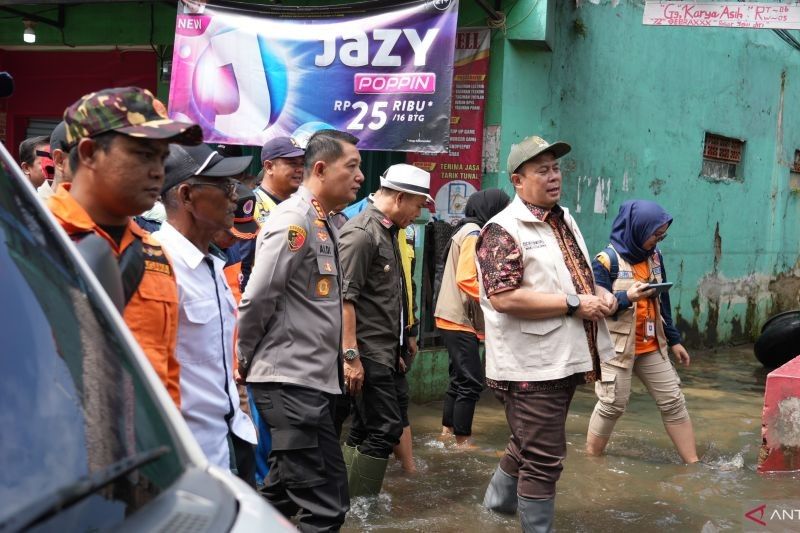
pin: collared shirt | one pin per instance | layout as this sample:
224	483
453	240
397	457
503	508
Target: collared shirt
502	269
152	312
407	256
210	401
45	190
372	279
290	316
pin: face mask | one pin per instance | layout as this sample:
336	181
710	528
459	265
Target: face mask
48	167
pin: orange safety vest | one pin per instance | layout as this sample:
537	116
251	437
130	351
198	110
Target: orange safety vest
152	312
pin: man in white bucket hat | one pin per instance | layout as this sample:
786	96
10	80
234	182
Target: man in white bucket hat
375	339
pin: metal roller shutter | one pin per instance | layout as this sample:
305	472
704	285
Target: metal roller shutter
41	126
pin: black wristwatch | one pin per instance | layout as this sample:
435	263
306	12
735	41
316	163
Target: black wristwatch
573	303
350	354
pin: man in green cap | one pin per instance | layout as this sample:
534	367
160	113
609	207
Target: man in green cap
119	139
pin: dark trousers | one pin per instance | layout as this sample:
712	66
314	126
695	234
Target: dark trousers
466	380
243	459
377	419
307	474
538	442
346	405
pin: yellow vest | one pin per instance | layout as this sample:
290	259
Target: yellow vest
406	257
264	204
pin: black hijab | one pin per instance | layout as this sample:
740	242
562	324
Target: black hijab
481	206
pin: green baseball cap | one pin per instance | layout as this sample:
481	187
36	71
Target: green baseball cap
530	147
128	110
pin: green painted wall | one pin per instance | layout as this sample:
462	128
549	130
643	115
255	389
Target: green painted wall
635	102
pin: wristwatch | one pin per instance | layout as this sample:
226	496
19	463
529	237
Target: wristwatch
573	303
350	354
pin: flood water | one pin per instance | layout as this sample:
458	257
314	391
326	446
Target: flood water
640	485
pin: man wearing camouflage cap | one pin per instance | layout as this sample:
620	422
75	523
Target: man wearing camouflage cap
119	139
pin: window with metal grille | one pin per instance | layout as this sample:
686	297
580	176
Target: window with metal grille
722	157
794	173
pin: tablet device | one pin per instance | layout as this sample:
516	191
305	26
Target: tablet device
659	287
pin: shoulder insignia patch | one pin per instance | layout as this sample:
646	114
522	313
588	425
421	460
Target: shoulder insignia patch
296	236
386	222
155	260
153	251
318	208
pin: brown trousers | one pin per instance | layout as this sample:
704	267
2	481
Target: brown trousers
538	442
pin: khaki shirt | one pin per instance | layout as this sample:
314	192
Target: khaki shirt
290	316
373	280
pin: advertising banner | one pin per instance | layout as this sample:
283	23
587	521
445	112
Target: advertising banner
379	70
457	174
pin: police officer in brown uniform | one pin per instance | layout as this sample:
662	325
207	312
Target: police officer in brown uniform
290	336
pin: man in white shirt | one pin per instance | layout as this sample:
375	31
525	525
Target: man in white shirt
200	199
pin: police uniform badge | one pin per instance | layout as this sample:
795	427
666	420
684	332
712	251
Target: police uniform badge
296	236
318	208
323	288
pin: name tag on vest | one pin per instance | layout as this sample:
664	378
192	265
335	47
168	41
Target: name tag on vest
625	274
532	245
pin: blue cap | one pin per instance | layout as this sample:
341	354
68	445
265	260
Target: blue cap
281	147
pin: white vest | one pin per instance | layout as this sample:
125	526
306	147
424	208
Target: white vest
519	349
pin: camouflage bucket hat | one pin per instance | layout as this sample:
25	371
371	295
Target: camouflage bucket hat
128	110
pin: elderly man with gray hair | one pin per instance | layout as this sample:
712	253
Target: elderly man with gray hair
375	342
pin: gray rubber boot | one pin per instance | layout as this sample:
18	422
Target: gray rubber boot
536	516
501	494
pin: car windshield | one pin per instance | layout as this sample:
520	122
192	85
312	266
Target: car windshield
73	400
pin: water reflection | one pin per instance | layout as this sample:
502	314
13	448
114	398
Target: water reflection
640	483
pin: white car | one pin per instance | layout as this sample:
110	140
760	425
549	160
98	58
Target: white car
90	440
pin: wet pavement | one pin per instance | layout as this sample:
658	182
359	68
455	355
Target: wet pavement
639	485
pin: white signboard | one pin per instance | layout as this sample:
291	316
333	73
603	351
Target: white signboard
784	16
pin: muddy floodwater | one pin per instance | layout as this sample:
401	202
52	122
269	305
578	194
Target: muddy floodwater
640	485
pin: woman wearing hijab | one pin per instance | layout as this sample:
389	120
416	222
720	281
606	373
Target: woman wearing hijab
642	329
459	317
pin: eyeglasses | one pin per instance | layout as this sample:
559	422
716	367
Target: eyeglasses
661	237
227	186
